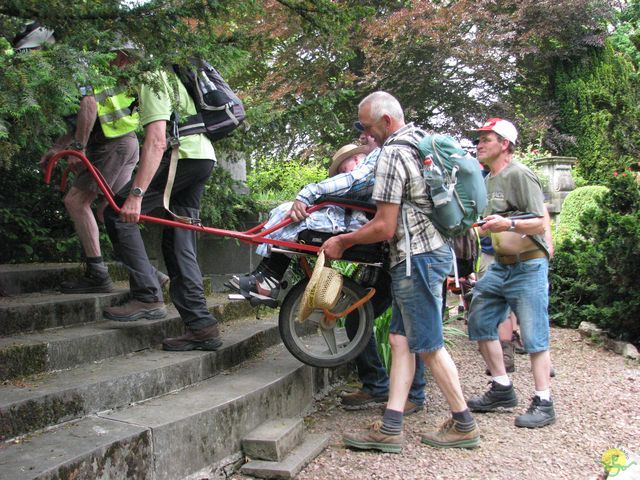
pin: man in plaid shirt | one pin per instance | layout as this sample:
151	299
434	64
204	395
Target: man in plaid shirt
416	323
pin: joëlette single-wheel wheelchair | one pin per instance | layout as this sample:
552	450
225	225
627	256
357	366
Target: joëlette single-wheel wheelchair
325	338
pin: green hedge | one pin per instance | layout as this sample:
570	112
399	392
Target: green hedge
595	277
575	204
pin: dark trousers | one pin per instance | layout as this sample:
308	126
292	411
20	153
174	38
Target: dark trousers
178	245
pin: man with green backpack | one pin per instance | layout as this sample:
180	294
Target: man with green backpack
416	324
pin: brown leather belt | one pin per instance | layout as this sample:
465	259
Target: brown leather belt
519	257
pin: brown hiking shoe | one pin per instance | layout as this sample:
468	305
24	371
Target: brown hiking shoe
373	439
410	408
207	338
135	310
448	436
93	281
508	356
361	399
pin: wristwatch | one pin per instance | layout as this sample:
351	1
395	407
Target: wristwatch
137	192
512	228
76	145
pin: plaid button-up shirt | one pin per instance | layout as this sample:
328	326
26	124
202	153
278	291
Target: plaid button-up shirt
398	178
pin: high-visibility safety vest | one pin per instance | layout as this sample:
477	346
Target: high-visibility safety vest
114	112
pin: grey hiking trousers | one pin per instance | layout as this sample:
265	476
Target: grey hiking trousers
178	245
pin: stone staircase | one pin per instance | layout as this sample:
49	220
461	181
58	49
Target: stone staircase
84	398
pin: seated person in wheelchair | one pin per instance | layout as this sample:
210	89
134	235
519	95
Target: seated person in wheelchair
350	176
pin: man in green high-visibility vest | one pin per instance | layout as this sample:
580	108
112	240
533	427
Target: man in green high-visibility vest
103	129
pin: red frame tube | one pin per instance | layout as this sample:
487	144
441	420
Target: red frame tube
254	235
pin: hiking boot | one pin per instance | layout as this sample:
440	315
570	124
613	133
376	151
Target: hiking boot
374	439
410	408
207	338
539	414
517	342
92	282
508	357
497	396
257	287
135	310
448	436
361	399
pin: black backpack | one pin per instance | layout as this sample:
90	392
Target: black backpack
220	111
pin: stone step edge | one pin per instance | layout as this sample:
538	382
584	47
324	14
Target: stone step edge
273	439
40	409
38	352
293	463
277	378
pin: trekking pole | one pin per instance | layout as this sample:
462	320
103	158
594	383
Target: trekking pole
524	216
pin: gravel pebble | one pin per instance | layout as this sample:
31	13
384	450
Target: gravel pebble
597	401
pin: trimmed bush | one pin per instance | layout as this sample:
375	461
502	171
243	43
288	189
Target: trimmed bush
575	204
595	277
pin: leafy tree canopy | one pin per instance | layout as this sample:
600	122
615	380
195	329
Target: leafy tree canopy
301	66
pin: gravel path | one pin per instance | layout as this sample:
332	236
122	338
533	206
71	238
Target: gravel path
597	401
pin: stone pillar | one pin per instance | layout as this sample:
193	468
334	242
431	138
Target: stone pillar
236	165
558	171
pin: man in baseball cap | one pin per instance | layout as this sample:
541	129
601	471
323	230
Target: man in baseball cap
517	278
504	128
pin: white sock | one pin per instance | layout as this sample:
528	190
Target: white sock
502	380
544	394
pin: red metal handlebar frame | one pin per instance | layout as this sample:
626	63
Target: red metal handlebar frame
252	236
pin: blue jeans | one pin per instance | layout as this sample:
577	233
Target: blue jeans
417	300
522	286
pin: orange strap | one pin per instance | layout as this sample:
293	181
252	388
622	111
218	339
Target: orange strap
332	317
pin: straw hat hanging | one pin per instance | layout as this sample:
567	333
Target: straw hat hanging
323	289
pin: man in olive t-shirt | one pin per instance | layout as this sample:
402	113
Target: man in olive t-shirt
517	279
196	160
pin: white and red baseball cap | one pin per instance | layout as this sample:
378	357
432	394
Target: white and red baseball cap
504	128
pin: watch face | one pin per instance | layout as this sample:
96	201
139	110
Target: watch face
137	192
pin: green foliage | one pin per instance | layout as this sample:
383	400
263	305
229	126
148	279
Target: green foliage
574	206
282	180
527	157
626	37
595	278
33	222
222	205
381	332
599	100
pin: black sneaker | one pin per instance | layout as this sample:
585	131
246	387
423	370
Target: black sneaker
257	287
539	414
497	396
91	282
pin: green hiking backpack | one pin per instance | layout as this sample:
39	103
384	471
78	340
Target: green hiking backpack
455	181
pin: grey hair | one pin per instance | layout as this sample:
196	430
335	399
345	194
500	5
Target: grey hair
381	103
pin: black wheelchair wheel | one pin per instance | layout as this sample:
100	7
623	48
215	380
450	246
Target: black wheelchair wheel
319	344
